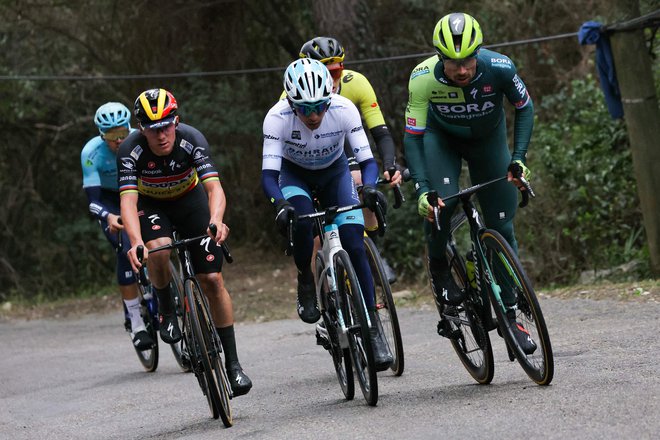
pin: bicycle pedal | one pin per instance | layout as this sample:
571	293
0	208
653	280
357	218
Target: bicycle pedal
323	340
444	330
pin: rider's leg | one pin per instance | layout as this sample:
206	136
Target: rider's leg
445	162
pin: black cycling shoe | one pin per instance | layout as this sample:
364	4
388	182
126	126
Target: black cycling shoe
239	381
522	336
307	308
142	340
169	329
445	288
382	355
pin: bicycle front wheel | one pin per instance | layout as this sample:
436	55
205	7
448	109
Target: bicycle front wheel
510	279
176	287
355	318
472	343
341	357
208	353
385	307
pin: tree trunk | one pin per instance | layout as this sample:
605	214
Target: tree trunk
642	115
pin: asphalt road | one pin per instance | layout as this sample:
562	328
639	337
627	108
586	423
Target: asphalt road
80	379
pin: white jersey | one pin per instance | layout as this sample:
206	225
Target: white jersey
285	136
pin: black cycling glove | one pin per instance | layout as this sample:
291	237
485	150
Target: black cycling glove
283	212
371	196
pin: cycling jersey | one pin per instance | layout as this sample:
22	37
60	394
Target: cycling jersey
287	138
357	88
165	177
99	169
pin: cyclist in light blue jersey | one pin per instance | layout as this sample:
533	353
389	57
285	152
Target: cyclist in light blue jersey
99	167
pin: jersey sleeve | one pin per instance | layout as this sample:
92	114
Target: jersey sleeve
90	172
200	152
127	157
273	146
418	98
365	99
517	94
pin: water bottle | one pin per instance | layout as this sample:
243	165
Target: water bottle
469	267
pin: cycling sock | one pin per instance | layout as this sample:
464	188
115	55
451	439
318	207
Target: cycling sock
372	232
228	341
133	307
165	305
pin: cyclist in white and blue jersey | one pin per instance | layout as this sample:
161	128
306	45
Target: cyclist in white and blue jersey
303	152
99	168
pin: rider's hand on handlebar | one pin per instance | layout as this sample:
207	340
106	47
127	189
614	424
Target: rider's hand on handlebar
372	198
221	232
133	257
425	209
114	223
395	180
283	212
516	170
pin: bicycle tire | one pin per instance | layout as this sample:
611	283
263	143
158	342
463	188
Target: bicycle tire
201	330
341	357
148	358
385	307
355	317
508	273
176	287
473	346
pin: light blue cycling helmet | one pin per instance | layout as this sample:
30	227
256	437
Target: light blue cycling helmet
307	81
110	115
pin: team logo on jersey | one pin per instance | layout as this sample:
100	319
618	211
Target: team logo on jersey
412	121
295	134
187	146
210	258
347	77
420	71
268	136
128	163
488	88
473	92
136	152
155	227
151	165
374	104
504	63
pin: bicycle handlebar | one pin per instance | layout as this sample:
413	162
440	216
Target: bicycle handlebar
468	192
398	195
185	242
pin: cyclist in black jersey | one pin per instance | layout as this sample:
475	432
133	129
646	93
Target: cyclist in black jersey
160	168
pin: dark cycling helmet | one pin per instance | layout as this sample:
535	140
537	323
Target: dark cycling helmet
325	49
155	108
111	115
457	35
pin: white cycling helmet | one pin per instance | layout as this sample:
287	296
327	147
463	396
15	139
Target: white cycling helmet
307	81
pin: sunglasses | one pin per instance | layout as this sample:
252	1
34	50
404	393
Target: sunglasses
308	109
463	62
116	135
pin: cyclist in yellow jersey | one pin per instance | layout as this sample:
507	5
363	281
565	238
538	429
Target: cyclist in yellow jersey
356	87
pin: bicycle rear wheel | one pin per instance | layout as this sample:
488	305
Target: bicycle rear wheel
385	307
176	287
355	318
510	277
213	385
472	344
341	357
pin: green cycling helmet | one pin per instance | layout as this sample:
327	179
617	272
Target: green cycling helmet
457	35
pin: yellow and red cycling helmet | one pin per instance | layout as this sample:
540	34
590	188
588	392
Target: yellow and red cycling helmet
155	108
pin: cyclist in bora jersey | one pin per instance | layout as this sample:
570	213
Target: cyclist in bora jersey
356	87
304	151
160	168
455	111
99	167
